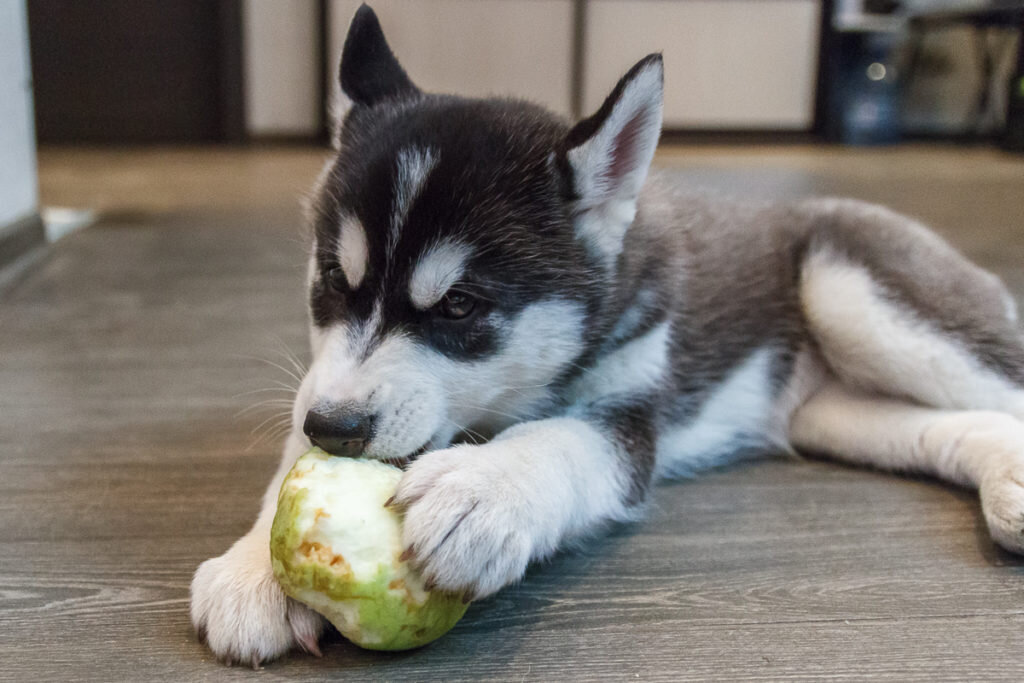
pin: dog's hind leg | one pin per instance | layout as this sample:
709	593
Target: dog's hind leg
895	310
983	450
927	360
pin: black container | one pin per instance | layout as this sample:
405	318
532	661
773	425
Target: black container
1013	134
864	97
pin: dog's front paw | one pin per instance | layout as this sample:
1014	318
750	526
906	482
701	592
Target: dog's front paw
467	525
1002	502
239	609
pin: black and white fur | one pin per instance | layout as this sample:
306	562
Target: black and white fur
621	329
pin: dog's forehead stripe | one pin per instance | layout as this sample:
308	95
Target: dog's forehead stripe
361	335
353	253
436	271
413	166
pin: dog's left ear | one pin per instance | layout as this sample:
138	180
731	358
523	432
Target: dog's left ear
370	72
606	157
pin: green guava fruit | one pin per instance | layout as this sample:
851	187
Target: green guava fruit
336	548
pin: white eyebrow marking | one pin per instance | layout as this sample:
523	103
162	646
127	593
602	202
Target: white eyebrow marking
353	253
437	270
414	165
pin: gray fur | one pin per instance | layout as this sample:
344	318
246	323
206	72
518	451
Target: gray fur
727	274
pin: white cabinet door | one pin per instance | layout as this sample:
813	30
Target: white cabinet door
282	70
473	47
729	64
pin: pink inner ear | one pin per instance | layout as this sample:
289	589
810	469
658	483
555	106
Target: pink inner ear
624	151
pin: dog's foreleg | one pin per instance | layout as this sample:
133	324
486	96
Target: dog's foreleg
476	516
238	606
980	449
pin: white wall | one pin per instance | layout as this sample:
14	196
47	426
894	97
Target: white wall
18	185
473	47
280	48
728	65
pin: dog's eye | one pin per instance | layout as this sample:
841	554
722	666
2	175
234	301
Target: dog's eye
336	279
456	306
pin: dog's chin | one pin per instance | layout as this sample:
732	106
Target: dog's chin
434	443
439	440
403	462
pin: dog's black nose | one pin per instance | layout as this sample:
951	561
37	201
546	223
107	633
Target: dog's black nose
339	432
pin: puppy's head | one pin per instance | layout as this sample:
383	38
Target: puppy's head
463	253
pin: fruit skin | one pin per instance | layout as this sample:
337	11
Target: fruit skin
372	597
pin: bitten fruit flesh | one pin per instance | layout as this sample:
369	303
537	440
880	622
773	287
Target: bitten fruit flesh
335	547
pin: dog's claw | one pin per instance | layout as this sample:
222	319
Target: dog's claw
255	663
389	502
201	634
467	597
430	584
308	643
406	554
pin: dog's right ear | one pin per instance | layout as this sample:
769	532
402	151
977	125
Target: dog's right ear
369	71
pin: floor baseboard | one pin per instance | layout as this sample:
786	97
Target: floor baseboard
21	243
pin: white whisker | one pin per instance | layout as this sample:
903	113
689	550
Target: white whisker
283	389
280	367
278	402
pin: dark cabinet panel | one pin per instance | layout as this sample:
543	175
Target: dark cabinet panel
116	71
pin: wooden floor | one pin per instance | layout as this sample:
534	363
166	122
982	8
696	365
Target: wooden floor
126	357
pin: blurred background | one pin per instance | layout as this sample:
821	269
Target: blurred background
144	71
135	73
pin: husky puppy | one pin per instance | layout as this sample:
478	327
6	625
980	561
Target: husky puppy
481	268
